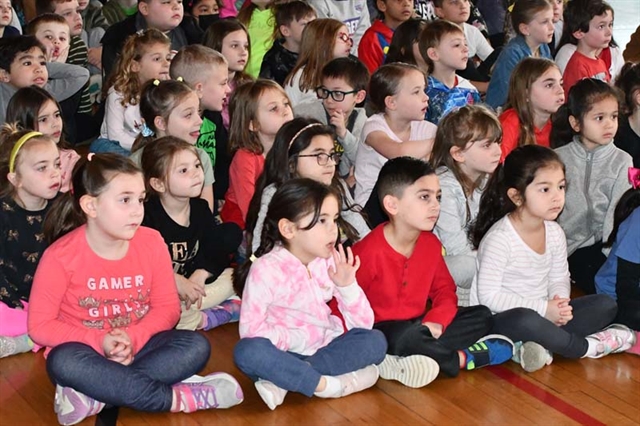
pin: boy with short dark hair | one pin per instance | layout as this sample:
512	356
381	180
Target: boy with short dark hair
402	270
344	84
443	48
291	19
376	40
23	64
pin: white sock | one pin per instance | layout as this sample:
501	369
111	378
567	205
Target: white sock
592	350
333	388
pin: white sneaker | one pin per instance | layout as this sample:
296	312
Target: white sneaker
216	390
271	394
612	340
358	380
73	407
414	371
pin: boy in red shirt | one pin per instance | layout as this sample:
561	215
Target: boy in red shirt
410	289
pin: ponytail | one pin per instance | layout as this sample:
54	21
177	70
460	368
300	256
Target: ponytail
494	205
629	201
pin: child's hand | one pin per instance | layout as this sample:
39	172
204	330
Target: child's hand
95	56
337	120
117	346
189	291
556	308
346	266
566	311
434	328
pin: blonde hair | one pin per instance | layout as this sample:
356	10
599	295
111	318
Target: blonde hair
123	79
194	63
243	108
316	50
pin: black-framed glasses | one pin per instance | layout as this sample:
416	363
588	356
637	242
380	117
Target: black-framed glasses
323	159
336	95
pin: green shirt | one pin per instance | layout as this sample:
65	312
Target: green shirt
261	34
207	139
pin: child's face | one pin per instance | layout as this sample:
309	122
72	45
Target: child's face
540	29
478	157
546	94
71	13
307	165
154	63
452	53
5	13
49	121
27	69
215	89
163	15
184	121
235	48
274	110
186	176
456	11
600	32
558	9
205	7
395	11
343	44
294	30
320	240
55	38
419	206
37	174
544	197
599	125
345	106
120	207
411	101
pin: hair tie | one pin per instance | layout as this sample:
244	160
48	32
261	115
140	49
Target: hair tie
140	32
90	156
308	126
156	82
253	258
180	79
146	131
17	146
634	177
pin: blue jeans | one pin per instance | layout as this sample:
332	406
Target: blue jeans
257	357
107	145
145	385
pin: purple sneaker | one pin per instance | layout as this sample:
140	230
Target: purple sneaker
73	407
217	390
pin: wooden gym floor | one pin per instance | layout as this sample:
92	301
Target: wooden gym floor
568	392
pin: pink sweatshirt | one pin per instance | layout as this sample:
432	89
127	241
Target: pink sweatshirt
286	302
78	296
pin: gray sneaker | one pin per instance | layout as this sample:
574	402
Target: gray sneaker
414	371
531	356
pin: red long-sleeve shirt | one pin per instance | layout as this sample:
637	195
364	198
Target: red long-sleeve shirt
398	287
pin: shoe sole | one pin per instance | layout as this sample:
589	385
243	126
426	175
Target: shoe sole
533	357
414	371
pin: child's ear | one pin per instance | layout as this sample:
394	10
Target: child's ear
438	11
4	76
13	179
157	185
578	34
432	54
360	96
287	228
198	87
390	204
159	123
514	196
381	5
143	8
523	29
285	30
252	127
88	205
456	154
574	123
390	103
135	66
636	98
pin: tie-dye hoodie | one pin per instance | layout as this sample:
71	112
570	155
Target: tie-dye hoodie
286	302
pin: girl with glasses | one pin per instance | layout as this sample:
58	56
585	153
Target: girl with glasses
322	41
303	148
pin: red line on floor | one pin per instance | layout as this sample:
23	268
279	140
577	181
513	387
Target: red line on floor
544	396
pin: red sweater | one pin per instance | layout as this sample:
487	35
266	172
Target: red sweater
244	171
78	296
581	66
511	132
398	287
374	45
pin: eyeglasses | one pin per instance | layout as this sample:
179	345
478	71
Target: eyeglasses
323	159
336	95
345	38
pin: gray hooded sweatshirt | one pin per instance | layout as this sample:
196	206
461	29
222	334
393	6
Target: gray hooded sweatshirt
596	180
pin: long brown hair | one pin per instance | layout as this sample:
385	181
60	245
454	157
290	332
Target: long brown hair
214	36
522	78
316	50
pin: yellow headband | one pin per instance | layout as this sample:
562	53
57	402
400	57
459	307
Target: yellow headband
17	146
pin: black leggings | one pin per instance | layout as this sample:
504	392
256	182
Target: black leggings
590	314
584	264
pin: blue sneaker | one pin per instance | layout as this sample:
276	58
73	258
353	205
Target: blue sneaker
493	349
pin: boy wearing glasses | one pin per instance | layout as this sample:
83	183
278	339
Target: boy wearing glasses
344	83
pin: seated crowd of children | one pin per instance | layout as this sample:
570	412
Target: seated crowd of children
369	198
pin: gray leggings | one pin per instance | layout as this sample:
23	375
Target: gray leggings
590	314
